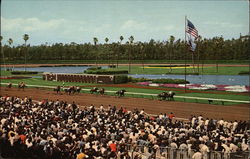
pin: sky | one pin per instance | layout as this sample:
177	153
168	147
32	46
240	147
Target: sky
65	21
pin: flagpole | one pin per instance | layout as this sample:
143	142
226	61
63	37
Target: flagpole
185	54
193	61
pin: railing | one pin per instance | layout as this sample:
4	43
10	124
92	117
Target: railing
145	152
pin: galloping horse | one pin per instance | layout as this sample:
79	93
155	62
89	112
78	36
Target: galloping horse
57	89
78	89
163	96
171	95
21	85
120	93
101	91
9	85
66	90
94	90
69	90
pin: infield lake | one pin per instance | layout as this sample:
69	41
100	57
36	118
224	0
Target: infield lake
194	79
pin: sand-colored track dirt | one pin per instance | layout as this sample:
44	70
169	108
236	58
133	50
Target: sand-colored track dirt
180	109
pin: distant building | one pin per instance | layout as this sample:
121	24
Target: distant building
246	37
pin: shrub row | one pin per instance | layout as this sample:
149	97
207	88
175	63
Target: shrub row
244	73
94	68
120	79
106	72
163	81
168	65
23	72
112	66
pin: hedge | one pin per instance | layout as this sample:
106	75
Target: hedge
23	72
244	73
162	80
167	65
106	72
94	68
120	79
112	66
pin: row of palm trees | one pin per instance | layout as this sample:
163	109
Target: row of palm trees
10	41
26	38
210	49
131	40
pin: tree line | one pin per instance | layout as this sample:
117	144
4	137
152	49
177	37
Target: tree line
216	48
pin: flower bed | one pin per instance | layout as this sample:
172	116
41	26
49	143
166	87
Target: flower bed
235	88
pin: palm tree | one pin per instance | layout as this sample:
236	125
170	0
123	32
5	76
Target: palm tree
121	38
25	38
95	42
1	38
217	46
172	38
205	46
219	43
141	46
106	40
131	39
10	41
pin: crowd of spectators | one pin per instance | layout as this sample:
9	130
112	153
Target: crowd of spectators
58	130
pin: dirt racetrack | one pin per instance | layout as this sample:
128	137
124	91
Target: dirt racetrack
180	109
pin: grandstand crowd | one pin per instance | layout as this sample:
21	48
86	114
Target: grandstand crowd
59	130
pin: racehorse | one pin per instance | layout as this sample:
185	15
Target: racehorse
9	85
171	95
101	91
57	89
69	90
120	93
78	89
94	90
21	85
163	96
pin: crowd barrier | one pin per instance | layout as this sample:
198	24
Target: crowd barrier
145	152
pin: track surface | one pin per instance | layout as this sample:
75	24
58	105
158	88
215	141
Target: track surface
180	109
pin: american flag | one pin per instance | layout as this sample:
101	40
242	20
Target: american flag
191	29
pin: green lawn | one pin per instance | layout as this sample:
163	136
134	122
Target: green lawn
218	96
5	73
40	81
